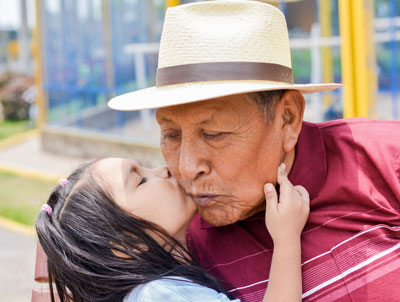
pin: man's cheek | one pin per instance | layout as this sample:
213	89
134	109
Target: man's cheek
172	162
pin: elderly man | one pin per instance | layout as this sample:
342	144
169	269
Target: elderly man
229	115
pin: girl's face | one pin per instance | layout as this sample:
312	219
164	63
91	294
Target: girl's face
151	194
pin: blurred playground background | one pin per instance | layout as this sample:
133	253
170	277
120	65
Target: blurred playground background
61	60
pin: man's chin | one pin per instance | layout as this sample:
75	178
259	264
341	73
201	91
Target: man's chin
216	219
220	216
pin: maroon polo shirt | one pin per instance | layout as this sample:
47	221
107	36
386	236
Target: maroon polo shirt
351	242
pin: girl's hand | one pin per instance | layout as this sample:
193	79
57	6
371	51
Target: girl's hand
285	219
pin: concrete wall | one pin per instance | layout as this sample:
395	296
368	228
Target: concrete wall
86	144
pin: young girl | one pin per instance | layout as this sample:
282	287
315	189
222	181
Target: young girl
115	231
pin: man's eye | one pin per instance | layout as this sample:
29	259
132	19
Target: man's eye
142	181
212	135
171	135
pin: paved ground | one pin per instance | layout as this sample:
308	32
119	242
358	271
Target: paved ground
28	156
17	262
18	251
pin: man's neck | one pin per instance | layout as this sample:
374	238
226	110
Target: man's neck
288	160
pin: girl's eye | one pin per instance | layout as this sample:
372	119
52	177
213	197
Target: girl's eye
143	180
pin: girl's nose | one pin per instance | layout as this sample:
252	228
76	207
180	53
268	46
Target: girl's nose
163	172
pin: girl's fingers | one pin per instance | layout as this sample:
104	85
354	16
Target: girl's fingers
303	193
282	175
271	197
285	185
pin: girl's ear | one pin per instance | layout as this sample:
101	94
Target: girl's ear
292	116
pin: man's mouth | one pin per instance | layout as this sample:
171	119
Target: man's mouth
202	199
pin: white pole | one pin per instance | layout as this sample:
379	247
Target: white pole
108	47
316	74
140	72
23	48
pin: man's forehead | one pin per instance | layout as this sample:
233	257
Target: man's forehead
204	112
200	114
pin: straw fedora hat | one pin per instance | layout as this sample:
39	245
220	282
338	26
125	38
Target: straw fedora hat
218	48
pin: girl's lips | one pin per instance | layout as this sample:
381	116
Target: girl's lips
203	200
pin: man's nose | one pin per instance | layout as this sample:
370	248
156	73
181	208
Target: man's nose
192	162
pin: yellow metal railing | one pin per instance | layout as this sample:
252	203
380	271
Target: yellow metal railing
358	57
38	66
169	3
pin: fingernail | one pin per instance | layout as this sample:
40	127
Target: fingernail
283	166
269	188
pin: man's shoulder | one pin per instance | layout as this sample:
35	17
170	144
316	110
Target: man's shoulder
358	128
355	122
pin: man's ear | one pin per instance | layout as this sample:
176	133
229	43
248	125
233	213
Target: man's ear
292	110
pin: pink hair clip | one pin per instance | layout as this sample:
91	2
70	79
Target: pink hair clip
47	209
63	182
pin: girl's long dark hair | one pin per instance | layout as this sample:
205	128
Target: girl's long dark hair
98	252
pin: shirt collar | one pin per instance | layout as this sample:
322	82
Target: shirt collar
309	167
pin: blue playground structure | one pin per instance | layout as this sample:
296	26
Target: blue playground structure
94	49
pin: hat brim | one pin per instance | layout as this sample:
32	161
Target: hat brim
172	95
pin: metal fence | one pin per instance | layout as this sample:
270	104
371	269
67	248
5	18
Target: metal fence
93	49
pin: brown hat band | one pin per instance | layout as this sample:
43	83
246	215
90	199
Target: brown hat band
223	71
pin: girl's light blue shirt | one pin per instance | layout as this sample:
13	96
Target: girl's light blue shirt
175	289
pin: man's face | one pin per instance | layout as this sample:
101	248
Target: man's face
222	152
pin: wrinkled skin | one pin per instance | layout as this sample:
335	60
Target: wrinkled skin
222	151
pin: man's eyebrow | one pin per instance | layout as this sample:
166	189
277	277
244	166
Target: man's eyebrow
209	120
165	120
205	122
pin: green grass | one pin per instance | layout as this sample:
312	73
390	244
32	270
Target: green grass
21	198
10	128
